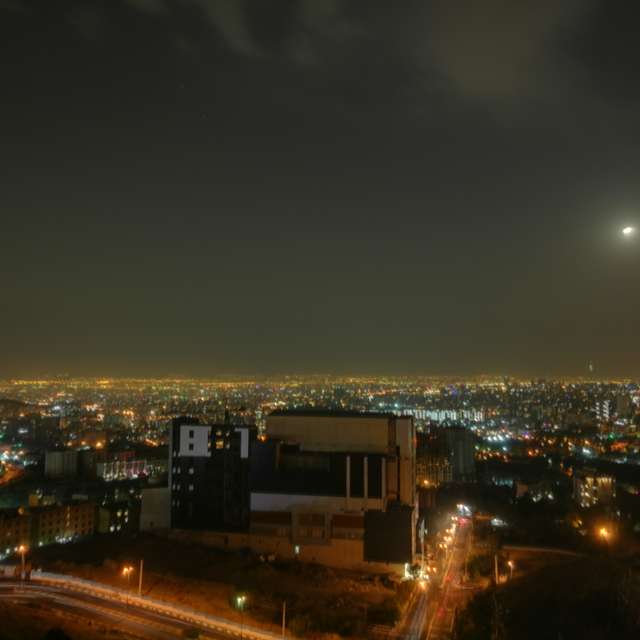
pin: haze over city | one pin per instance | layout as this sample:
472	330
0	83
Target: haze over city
319	320
201	188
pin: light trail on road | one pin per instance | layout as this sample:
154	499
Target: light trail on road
128	617
452	597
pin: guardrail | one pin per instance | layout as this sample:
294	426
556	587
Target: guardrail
184	614
564	552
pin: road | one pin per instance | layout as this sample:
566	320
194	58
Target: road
12	472
104	613
127	616
417	617
452	596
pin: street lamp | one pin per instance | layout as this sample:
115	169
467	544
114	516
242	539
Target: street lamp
510	565
22	549
126	571
240	600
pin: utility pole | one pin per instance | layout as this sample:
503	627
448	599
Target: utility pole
422	548
284	617
495	562
140	577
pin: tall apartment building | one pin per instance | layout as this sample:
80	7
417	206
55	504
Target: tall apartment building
209	475
460	446
433	462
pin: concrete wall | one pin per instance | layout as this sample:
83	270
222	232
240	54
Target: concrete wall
155	511
289	502
199	443
332	433
337	553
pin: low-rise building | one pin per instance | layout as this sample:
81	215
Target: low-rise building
62	523
61	464
15	530
591	488
116	517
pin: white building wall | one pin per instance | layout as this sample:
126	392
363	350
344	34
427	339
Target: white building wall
196	445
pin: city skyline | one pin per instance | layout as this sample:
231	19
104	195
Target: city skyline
202	187
319	320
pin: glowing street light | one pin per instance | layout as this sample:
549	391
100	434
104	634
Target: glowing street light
22	549
604	533
510	565
628	231
127	571
240	600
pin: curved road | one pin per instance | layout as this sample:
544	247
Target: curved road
125	616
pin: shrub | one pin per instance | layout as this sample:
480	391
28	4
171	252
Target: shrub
387	612
299	626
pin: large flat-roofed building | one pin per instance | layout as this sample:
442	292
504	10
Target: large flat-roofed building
361	441
322	478
329	487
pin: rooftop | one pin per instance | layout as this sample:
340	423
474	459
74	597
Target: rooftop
331	413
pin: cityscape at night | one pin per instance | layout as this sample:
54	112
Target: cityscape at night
498	480
319	320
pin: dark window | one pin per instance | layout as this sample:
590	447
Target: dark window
357	476
191	433
375	477
190	446
305	462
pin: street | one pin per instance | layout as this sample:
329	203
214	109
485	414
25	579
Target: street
12	472
432	612
451	597
141	619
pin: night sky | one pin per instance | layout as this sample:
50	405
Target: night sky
202	187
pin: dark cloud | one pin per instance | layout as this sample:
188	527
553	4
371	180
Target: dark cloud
319	185
496	50
500	48
14	6
88	19
148	6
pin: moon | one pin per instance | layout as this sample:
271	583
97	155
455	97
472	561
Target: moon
628	231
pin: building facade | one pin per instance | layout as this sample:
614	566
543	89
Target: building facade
209	475
15	530
324	477
62	523
592	488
